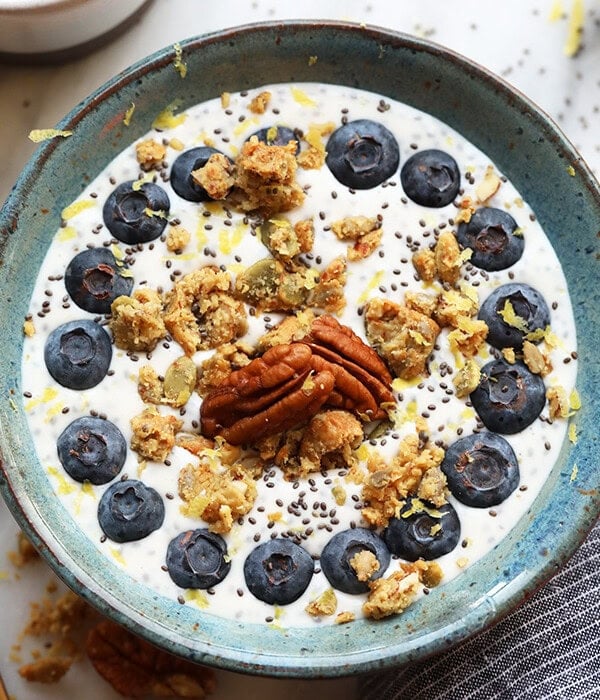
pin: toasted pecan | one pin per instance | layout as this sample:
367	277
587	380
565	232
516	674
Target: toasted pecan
362	379
273	393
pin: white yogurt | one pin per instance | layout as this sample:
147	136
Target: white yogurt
217	239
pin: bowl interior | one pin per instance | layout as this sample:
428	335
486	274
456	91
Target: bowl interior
508	128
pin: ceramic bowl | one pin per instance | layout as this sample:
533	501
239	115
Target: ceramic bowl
526	146
36	31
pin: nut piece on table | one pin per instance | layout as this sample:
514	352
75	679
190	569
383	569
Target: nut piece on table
137	669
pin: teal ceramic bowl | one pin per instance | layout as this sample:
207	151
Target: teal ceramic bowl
526	146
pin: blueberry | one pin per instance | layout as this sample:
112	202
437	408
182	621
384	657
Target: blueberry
431	178
512	312
136	215
490	234
94	280
78	354
197	559
181	173
338	553
92	449
362	154
277	136
278	571
482	469
129	510
422	530
509	397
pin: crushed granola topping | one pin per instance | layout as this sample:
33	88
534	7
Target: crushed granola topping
365	564
313	157
324	605
201	312
226	359
558	402
402	336
215	176
386	486
216	493
154	434
150	154
391	595
364	231
260	102
265	178
287	241
329	440
136	321
177	239
488	187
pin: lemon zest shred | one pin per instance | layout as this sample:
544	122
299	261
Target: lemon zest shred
39	135
573	434
576	21
302	98
76	208
167	119
128	114
179	64
574	473
511	318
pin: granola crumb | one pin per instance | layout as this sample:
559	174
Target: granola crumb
215	492
364	231
344	617
26	552
154	434
287	241
201	312
365	565
259	103
424	263
447	258
466	380
402	336
150	154
324	605
488	187
136	321
226	359
535	359
433	487
265	178
558	402
313	157
48	669
215	176
177	239
387	485
391	595
28	328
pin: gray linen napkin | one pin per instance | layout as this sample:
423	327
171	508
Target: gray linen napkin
548	648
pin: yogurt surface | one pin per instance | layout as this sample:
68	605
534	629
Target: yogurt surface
225	238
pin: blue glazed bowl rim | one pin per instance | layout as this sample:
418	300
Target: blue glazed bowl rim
489	590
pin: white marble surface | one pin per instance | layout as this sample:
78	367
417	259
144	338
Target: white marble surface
520	41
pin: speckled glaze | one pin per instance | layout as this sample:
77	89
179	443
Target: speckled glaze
525	145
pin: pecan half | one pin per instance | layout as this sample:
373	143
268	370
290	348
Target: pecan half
137	669
275	392
362	380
